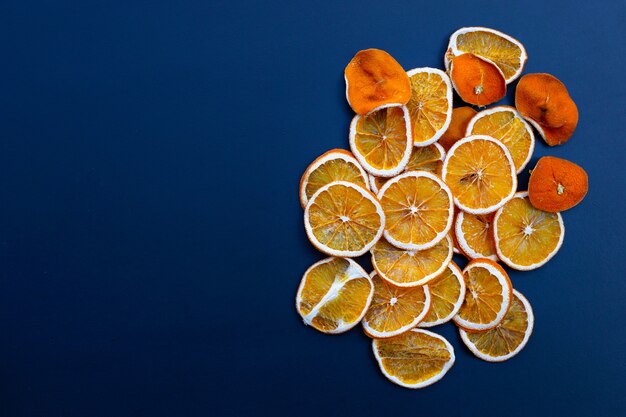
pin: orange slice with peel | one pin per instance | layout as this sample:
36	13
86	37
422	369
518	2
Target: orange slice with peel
509	127
430	106
409	268
394	310
475	236
506	52
381	141
418	210
526	237
477	81
447	293
343	219
414	359
487	296
508	338
461	117
334	165
480	173
334	295
557	184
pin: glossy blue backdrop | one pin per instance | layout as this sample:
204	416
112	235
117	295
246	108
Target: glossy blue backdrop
151	238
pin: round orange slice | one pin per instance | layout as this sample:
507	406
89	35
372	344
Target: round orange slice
394	310
480	173
526	237
414	359
418	210
506	52
423	158
343	219
476	80
334	165
474	234
508	338
381	141
409	268
430	106
507	125
487	296
447	293
334	295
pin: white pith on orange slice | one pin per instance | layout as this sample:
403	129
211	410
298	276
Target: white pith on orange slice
447	293
475	236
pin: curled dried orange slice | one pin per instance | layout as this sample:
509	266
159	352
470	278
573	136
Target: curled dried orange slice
447	292
557	184
394	310
477	81
461	117
381	141
334	295
475	236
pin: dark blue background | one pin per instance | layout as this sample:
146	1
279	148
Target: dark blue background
151	237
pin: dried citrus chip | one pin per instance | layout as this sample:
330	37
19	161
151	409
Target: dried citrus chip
557	184
447	293
394	310
381	141
477	81
503	50
474	234
408	268
526	237
461	117
334	295
374	80
508	338
334	165
423	158
414	359
507	125
430	106
343	219
480	173
418	210
487	296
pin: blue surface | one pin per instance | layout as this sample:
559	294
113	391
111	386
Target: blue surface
151	237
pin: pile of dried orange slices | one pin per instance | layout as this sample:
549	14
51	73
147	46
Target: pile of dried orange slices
424	181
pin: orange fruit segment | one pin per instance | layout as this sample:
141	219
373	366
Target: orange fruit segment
507	125
487	296
474	234
374	79
526	237
557	184
447	293
394	310
430	106
477	81
381	141
334	165
414	359
334	295
418	210
508	338
461	117
343	219
480	173
506	52
409	268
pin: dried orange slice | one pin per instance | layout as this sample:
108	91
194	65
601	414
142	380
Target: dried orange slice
477	81
414	359
343	219
447	293
418	210
526	237
503	50
480	173
508	338
334	295
409	268
461	117
334	165
507	125
375	80
423	158
487	296
394	310
381	141
430	106
474	234
557	184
